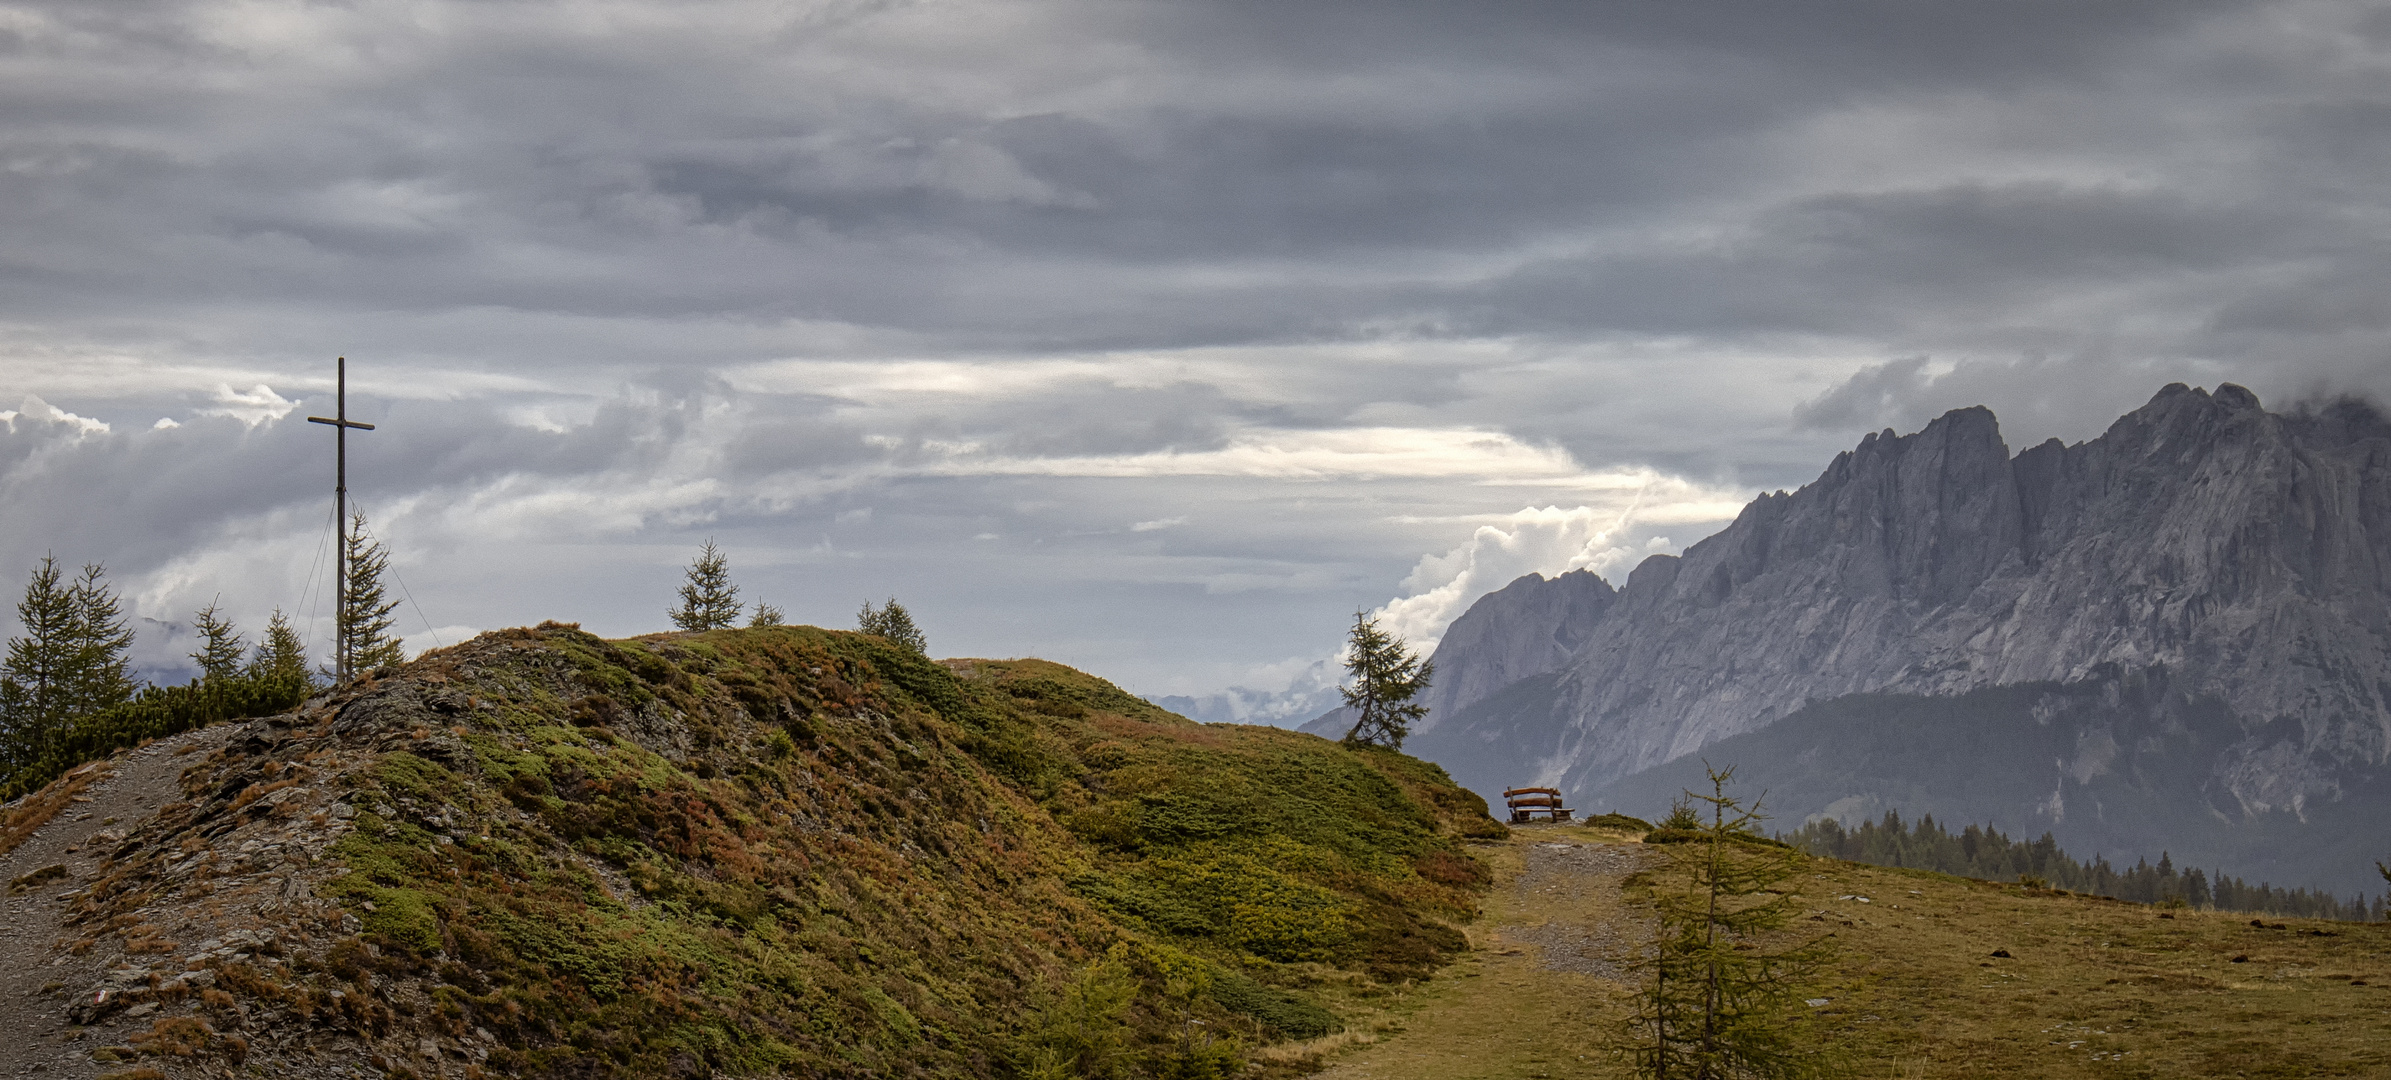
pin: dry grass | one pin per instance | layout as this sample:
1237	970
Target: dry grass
36	810
1498	1012
38	878
2092	988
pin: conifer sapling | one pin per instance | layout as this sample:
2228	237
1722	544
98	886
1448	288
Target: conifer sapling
1716	999
366	606
33	681
103	671
220	645
893	622
708	599
1387	675
280	654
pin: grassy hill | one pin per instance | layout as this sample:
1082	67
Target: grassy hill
774	851
1935	978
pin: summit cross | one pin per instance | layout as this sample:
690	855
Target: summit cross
340	502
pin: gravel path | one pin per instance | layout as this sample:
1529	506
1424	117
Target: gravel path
36	968
1574	878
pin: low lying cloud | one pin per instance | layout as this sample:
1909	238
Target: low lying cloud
1549	541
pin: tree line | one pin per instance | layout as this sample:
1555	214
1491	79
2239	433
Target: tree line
68	693
1985	852
709	600
67	690
1387	674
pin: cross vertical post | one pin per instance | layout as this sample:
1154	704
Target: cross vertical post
340	503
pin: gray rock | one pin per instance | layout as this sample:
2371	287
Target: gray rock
2244	553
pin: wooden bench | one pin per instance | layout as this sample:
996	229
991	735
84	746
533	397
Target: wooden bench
1527	802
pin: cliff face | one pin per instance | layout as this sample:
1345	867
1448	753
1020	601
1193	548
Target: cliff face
1529	627
2246	554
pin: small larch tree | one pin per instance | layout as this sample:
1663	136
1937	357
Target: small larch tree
765	615
1716	998
892	621
220	646
708	599
103	671
1387	675
365	607
280	654
34	681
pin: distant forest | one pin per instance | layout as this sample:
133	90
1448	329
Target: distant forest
1983	852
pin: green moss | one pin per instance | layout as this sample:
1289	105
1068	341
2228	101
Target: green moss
1291	1014
405	920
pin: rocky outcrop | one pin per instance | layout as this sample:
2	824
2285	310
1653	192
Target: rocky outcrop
1526	628
2247	553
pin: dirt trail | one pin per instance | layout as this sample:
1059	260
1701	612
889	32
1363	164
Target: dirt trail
1546	977
36	969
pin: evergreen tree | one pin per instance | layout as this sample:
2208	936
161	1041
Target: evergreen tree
1682	815
765	615
708	599
103	672
365	607
1386	676
1985	852
893	622
1715	1002
34	683
70	663
280	653
220	646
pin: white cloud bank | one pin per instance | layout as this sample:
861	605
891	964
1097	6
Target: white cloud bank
35	410
1549	541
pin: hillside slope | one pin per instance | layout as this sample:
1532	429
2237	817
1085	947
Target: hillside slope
779	851
1932	976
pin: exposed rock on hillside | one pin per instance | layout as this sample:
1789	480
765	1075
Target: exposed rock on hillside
2240	558
749	852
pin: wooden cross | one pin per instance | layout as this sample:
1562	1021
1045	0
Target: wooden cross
340	501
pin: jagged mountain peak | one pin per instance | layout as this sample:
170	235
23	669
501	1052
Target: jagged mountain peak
2245	555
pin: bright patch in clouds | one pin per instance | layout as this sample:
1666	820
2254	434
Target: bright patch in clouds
254	406
35	410
1550	541
1341	454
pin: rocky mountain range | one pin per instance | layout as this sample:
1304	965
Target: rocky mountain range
2175	636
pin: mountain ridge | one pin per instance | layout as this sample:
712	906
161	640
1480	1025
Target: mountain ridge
2245	553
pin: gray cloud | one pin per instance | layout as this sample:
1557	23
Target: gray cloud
855	285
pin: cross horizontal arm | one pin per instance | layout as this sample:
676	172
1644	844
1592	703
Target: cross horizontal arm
338	423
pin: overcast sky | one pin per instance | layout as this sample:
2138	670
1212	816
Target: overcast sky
1151	338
